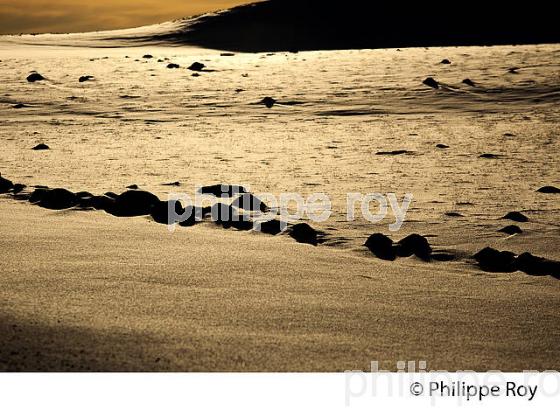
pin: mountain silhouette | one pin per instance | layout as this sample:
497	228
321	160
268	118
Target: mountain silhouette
293	25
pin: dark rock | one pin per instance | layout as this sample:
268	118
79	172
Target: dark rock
515	216
513	70
414	245
176	183
239	90
454	214
430	82
111	194
35	77
381	246
492	260
195	75
19	105
489	156
133	186
442	146
395	152
17	188
148	56
58	198
249	202
549	190
134	203
99	202
37	195
191	216
227	54
40	147
5	185
537	266
268	102
167	212
303	233
272	227
445	61
220	190
85	78
469	82
225	215
196	66
511	229
172	65
443	256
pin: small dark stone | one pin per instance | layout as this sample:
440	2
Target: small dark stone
19	105
511	229
85	78
442	146
176	183
303	233
268	102
5	185
272	227
195	75
469	82
513	70
196	66
395	152
430	82
148	56
227	54
492	260
35	77
220	190
515	216
381	246
172	65
489	156
134	203
445	61
41	147
549	190
414	245
133	186
453	214
58	198
249	202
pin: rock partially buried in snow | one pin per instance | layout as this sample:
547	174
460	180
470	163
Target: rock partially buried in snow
492	260
442	146
549	190
172	65
430	82
134	203
85	78
381	246
196	66
147	56
515	216
272	227
35	77
57	198
268	102
469	82
445	61
414	245
40	147
249	202
303	233
5	185
511	230
220	190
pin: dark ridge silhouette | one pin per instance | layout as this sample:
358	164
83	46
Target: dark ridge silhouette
294	25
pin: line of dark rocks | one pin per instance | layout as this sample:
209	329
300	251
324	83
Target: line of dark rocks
136	202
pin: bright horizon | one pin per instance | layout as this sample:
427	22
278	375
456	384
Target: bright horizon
64	16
